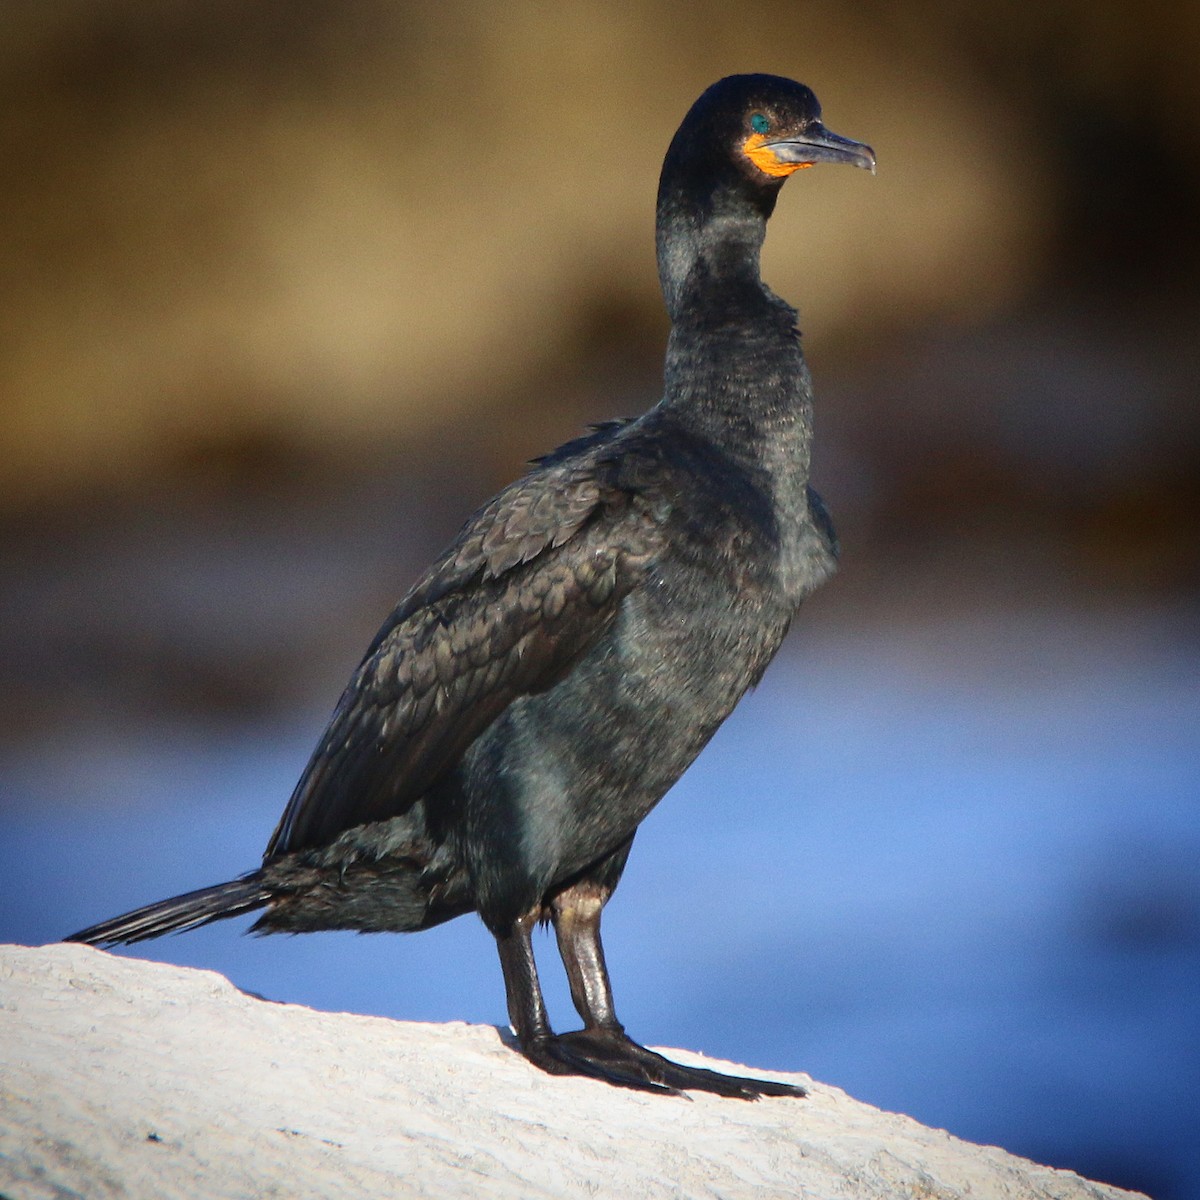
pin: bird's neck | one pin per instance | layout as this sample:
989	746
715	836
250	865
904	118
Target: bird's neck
708	250
734	371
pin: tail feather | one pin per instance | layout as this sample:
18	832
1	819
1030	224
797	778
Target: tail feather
180	912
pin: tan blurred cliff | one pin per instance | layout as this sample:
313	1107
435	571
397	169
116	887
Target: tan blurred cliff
336	226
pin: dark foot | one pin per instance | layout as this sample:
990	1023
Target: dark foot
610	1055
557	1056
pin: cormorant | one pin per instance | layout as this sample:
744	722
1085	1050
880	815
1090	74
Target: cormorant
555	671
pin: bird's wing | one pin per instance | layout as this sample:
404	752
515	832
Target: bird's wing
532	580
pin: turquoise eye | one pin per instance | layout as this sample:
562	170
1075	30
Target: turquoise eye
759	123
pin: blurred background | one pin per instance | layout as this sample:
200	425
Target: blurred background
286	291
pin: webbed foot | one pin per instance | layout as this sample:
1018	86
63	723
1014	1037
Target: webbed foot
610	1055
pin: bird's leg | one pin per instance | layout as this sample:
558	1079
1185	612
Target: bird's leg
527	1013
576	915
526	1007
603	1041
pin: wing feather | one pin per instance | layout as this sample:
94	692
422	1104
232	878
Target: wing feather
533	579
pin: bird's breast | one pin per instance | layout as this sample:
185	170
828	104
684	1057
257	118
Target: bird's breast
603	746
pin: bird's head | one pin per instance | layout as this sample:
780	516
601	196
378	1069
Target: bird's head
782	132
722	174
757	130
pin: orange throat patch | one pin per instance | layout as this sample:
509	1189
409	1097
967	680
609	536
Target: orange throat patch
765	159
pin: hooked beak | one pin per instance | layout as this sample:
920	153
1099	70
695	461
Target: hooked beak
816	145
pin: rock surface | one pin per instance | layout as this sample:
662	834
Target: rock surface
122	1078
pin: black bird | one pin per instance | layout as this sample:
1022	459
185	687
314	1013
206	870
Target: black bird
557	669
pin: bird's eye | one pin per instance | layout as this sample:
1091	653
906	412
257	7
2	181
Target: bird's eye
759	123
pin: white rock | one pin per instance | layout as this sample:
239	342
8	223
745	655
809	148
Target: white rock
121	1078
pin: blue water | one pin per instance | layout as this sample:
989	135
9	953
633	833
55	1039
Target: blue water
954	869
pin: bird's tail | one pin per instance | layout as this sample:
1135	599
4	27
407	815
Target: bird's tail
180	912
